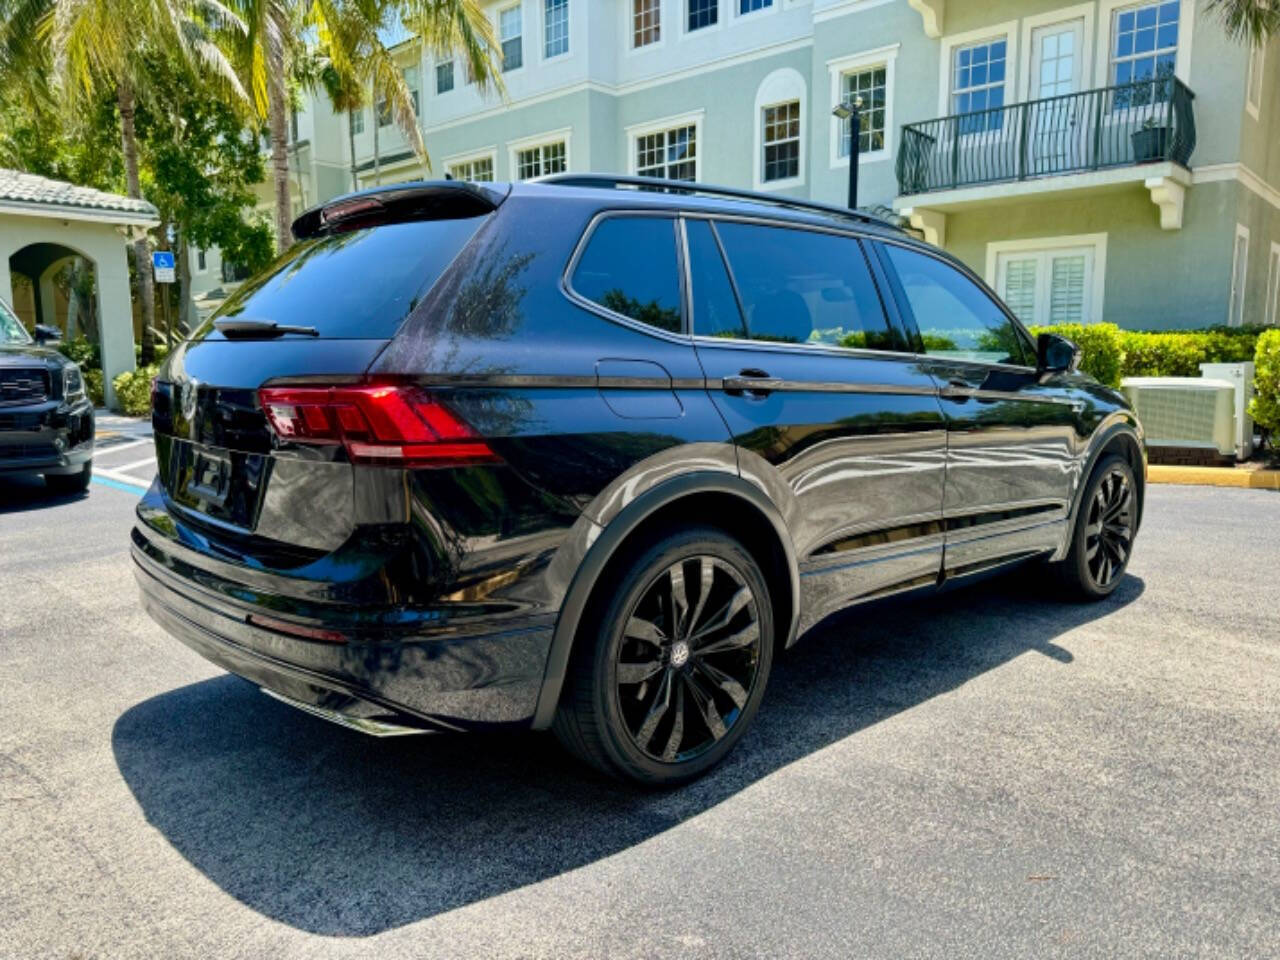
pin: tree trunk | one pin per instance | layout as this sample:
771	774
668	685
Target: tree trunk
184	289
141	248
351	136
277	108
377	159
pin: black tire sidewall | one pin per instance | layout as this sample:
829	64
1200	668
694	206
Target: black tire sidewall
633	580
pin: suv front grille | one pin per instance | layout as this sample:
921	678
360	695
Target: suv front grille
23	385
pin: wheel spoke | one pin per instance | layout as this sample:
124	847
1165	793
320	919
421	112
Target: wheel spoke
677	727
735	641
661	701
706	706
706	576
679	602
641	629
630	674
739	600
731	687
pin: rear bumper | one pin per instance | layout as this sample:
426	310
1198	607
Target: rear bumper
46	438
442	676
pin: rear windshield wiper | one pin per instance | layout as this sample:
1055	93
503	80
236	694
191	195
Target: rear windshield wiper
253	329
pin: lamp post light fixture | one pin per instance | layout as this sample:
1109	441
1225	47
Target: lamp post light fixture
851	110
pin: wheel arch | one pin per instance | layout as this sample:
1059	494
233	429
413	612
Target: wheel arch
1123	436
702	497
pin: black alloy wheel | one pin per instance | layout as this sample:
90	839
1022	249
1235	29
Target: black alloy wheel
689	658
671	665
1109	529
1105	526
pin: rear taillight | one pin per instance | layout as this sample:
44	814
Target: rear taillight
390	424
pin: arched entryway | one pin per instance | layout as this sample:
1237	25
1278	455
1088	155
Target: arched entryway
47	228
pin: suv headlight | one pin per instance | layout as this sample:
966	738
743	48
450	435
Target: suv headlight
72	382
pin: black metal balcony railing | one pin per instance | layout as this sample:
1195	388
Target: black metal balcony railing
1116	126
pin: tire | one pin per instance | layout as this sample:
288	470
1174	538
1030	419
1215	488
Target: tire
658	706
1102	540
68	483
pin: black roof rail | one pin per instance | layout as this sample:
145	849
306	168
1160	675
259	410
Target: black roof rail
610	181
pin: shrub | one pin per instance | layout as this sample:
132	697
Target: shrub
1102	354
133	391
1265	406
1161	354
83	351
93	386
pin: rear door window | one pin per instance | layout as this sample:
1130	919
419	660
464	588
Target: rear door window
356	285
629	266
715	305
803	286
956	318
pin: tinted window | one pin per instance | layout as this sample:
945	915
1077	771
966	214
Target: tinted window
360	284
629	266
798	286
715	308
956	317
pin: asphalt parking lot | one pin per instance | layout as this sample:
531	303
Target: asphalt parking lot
988	773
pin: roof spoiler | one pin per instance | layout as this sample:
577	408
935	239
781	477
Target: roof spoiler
419	200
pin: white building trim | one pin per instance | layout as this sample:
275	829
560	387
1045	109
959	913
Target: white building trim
1081	11
692	119
781	86
1095	241
1106	17
564	134
1216	172
855	63
1255	81
946	58
1239	269
1272	314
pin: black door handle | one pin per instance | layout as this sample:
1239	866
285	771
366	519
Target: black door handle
752	382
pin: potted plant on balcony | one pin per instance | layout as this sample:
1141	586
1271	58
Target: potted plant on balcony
1151	142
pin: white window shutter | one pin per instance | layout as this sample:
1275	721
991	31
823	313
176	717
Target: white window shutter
1067	289
1020	287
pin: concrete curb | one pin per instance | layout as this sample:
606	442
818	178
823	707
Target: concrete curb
1215	477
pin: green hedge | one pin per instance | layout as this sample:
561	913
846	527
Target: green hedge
1111	353
133	391
1265	406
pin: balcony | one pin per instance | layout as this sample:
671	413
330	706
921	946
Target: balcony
1093	139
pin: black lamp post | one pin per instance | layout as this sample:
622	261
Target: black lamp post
851	110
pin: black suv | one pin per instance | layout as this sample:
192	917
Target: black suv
588	453
46	420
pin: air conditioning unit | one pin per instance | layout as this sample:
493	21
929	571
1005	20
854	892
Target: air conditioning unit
1192	412
1240	375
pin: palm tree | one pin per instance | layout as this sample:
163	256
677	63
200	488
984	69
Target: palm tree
98	48
350	32
1248	21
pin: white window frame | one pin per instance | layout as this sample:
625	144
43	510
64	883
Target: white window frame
638	130
1272	316
1007	31
498	14
858	63
735	9
1235	309
488	153
1096	241
357	121
781	86
629	26
1255	82
568	26
1107	10
547	139
1063	15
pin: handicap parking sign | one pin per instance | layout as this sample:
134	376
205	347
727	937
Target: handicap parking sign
162	266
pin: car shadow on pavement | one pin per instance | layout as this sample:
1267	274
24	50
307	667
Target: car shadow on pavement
21	493
340	834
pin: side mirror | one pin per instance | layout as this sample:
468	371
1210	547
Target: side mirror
46	334
1055	354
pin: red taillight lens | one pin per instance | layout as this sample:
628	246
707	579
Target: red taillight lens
390	424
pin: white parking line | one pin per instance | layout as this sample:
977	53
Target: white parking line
125	468
112	448
122	478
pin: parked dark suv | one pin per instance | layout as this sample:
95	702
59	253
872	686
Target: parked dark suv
46	420
587	453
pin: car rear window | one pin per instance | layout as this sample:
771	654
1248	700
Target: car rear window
356	285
